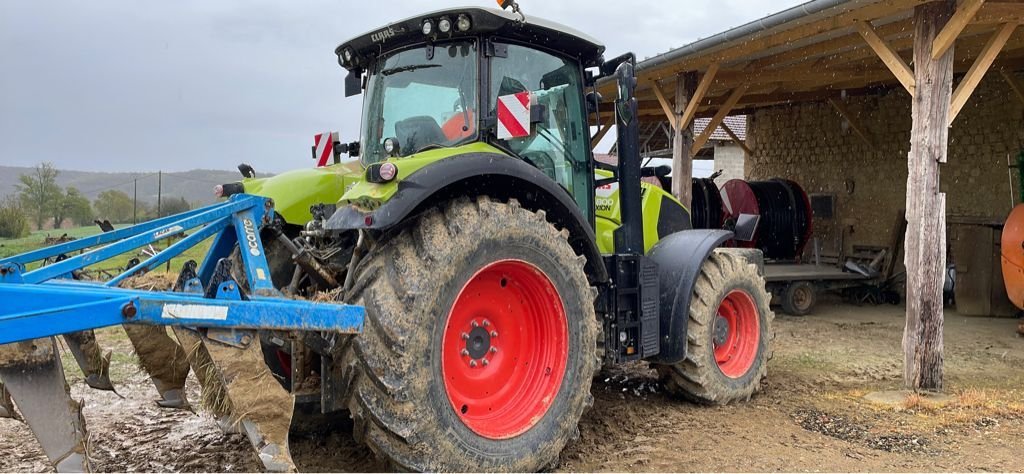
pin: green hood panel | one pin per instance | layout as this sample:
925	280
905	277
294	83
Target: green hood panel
294	192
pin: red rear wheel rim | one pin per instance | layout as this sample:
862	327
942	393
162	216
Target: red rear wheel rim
737	334
505	349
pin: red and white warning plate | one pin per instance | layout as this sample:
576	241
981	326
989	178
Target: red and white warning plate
514	116
324	145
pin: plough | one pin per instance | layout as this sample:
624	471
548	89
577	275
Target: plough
214	317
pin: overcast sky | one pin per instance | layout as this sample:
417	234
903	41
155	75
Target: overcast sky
129	85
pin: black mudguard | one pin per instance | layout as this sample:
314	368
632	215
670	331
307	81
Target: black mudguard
680	257
475	174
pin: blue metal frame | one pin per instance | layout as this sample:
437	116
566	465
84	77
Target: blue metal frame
44	302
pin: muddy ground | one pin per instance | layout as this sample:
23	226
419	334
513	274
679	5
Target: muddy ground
811	415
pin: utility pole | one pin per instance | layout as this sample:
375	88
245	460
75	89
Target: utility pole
135	202
159	192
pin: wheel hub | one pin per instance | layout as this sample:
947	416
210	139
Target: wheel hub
479	343
721	330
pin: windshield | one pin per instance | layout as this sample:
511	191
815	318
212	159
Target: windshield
423	102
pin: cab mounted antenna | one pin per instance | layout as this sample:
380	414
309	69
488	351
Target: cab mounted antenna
514	5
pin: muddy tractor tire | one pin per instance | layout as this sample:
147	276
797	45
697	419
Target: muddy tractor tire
728	336
480	341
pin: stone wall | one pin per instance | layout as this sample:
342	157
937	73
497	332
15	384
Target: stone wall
814	146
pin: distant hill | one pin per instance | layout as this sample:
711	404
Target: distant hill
195	186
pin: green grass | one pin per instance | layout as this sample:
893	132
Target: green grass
10	247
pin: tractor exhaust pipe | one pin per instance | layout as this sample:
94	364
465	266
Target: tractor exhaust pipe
629	237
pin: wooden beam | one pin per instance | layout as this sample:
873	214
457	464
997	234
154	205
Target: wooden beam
1000	12
964	14
1011	79
854	123
892	60
925	243
682	141
719	117
673	119
735	138
698	95
602	131
979	68
830	48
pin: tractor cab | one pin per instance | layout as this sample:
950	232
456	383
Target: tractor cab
464	76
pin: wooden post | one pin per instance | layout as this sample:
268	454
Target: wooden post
925	245
682	141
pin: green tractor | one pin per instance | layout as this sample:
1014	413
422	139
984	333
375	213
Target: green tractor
500	265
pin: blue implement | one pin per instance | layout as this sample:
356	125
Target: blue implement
43	302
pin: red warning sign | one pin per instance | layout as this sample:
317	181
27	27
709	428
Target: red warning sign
514	116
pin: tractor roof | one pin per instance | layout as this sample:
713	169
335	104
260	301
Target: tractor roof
485	21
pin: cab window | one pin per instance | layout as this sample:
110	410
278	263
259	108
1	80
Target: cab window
558	145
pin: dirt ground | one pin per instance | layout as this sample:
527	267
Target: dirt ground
811	415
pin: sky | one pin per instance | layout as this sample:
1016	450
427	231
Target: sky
142	85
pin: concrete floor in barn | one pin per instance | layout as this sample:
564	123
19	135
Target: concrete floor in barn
810	416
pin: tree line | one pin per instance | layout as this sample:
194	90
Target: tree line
39	201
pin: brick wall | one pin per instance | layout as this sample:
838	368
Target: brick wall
812	144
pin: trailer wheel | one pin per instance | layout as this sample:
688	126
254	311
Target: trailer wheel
799	298
728	336
479	345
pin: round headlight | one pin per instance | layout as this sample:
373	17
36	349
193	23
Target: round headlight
388	171
444	25
463	23
348	55
391	146
428	27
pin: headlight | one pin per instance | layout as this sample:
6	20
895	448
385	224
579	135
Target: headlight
391	146
463	23
428	27
444	25
388	171
348	56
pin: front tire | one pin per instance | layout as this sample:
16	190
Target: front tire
728	335
479	345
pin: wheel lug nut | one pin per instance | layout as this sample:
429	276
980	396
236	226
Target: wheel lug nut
472	363
494	350
485	362
474	324
465	352
465	336
487	323
494	333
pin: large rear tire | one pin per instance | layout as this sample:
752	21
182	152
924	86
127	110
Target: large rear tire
728	336
480	341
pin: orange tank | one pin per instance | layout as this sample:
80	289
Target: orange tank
1013	256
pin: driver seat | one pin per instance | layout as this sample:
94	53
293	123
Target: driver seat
417	133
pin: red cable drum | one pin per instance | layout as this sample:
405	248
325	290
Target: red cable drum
785	224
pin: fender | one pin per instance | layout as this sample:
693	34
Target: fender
680	257
474	174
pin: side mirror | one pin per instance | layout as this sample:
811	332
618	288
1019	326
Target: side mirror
353	84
